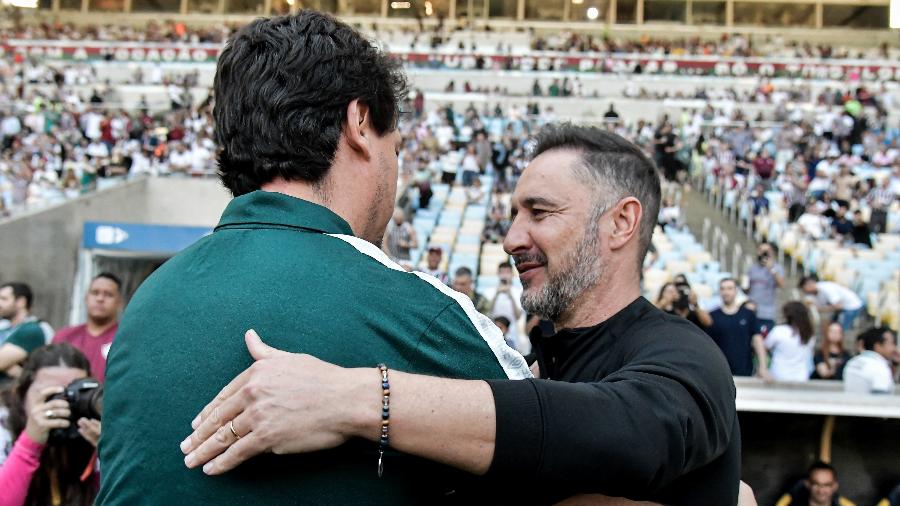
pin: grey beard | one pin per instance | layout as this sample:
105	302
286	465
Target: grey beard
579	271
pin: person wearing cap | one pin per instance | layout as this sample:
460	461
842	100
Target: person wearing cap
433	264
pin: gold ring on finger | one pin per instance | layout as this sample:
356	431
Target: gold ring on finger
231	426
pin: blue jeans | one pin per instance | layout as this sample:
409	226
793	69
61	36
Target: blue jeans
847	317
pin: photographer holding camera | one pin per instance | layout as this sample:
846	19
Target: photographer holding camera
52	414
765	277
678	299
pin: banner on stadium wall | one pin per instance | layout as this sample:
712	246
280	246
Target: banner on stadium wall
140	237
112	51
854	70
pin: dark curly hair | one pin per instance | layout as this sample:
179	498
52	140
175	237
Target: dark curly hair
281	90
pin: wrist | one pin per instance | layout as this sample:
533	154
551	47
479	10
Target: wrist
362	409
35	435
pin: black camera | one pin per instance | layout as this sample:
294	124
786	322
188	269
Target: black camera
684	297
762	259
85	398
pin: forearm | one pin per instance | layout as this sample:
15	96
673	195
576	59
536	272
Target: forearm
16	472
762	355
704	318
448	421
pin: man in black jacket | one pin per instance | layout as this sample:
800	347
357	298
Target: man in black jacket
631	402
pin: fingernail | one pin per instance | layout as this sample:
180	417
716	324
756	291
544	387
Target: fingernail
207	468
186	445
195	422
189	460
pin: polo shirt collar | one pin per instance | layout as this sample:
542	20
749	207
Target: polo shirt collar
270	209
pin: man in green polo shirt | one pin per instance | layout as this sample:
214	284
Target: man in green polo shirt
306	112
26	333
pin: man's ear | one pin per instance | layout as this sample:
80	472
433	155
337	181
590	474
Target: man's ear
356	130
626	219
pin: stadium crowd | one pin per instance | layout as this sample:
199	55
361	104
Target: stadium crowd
836	176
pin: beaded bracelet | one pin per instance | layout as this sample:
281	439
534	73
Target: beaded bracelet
385	416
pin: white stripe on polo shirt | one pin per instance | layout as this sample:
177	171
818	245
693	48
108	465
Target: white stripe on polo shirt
513	363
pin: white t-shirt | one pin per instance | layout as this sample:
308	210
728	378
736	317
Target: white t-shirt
506	306
813	224
791	359
868	372
831	293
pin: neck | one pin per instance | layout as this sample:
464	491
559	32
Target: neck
601	301
729	307
813	502
19	317
320	194
97	327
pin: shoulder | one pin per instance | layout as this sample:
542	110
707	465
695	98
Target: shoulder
66	333
454	320
27	332
656	332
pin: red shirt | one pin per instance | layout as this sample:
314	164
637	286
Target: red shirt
96	348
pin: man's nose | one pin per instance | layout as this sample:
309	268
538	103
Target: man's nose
517	238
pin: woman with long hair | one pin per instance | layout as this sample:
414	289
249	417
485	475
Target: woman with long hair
791	344
36	473
668	294
831	357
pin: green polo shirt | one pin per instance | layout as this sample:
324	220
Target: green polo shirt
293	271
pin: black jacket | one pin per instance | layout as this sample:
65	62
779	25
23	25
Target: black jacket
639	406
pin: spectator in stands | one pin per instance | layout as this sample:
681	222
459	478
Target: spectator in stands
497	225
791	345
734	330
880	199
33	470
464	283
669	214
820	488
830	358
503	324
28	332
871	371
433	264
764	167
833	298
475	193
681	300
469	166
668	294
765	277
93	338
400	237
506	304
759	200
861	233
841	227
812	223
